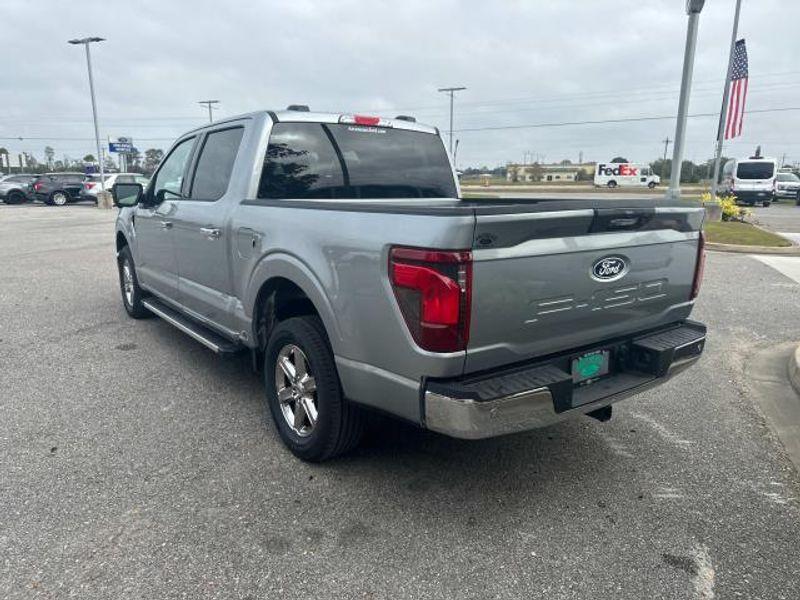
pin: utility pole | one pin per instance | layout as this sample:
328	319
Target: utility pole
725	98
693	8
209	104
86	41
451	91
664	161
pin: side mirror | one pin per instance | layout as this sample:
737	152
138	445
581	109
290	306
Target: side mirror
126	194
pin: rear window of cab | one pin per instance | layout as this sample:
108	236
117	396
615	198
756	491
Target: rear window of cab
345	161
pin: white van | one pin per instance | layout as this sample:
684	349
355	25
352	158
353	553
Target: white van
628	174
751	180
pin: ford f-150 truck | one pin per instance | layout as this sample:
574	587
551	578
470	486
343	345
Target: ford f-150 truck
337	249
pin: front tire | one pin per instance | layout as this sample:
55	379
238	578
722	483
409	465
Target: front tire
304	395
132	294
612	184
652	185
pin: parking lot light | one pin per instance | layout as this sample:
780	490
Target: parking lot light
86	42
693	8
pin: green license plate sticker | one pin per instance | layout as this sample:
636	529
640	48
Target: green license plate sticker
590	366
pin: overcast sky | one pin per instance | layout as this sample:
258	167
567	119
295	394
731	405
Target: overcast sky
527	62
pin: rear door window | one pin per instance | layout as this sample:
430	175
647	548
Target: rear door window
215	164
313	160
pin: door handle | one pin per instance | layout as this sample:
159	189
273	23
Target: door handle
166	224
210	232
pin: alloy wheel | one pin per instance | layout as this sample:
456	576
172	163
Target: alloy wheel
127	282
296	389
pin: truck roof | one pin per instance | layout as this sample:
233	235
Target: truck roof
299	116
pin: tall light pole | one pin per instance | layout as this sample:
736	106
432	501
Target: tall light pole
725	99
451	91
209	104
86	41
693	8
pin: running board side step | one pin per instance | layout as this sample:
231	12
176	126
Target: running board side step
193	329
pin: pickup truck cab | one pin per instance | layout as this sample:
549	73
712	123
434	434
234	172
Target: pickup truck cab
338	251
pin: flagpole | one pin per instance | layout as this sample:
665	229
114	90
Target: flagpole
725	100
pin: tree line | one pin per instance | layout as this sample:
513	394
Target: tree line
27	162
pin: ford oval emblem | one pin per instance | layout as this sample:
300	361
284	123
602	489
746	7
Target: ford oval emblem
609	268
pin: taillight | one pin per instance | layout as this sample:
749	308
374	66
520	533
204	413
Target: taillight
89	186
434	291
700	266
37	186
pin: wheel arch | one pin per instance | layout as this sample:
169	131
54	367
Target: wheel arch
282	287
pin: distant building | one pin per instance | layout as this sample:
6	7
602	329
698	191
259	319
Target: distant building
535	173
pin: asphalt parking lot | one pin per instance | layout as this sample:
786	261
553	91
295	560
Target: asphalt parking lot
136	464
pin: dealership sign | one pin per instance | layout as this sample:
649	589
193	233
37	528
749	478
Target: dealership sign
122	145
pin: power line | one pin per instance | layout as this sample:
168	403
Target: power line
643	118
584	94
619	120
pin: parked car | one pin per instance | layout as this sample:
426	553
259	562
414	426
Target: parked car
787	185
91	184
751	180
14	189
58	188
336	249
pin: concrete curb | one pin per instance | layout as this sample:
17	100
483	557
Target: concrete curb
736	248
794	369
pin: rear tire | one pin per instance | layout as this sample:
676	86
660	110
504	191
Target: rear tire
15	197
132	294
58	198
304	395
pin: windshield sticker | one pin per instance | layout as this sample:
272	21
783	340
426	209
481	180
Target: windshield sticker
366	129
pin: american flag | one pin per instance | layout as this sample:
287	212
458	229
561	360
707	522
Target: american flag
738	93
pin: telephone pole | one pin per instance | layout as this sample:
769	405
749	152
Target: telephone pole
664	161
209	104
451	91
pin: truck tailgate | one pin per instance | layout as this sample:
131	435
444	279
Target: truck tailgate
551	278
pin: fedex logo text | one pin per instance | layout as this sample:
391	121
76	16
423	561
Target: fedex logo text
617	170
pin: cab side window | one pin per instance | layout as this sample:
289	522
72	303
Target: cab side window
169	179
215	165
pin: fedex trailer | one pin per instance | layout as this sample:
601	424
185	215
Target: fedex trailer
627	174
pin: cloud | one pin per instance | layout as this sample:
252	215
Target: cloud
523	63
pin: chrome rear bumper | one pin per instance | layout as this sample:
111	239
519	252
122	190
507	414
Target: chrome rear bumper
473	417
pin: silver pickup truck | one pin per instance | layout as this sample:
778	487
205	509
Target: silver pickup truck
337	250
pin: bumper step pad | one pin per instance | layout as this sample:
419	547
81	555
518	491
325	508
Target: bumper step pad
637	362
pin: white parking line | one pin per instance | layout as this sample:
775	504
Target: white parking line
786	265
795	237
